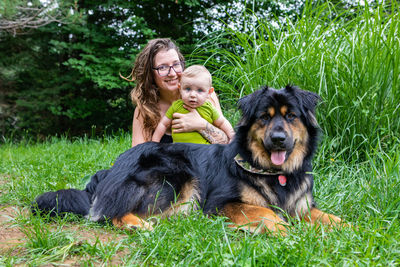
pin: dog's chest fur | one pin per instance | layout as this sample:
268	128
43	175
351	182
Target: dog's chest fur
294	198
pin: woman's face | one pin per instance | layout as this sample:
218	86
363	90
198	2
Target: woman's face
171	81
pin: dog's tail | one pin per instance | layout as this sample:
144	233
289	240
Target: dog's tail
68	200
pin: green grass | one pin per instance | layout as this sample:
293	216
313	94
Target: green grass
365	194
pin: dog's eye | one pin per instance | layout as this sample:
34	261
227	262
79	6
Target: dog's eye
291	116
265	117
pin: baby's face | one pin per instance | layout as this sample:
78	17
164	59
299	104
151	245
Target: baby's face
195	91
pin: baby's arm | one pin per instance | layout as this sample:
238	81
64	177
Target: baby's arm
162	127
225	126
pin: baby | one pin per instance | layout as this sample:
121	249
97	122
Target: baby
195	89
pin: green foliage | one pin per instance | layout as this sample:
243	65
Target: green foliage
351	58
67	79
64	77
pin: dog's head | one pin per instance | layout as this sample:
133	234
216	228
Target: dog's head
278	129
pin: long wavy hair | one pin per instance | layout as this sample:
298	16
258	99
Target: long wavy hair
145	95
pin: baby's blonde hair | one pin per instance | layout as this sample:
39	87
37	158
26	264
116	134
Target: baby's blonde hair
194	70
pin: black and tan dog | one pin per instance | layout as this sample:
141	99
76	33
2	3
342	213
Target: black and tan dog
264	171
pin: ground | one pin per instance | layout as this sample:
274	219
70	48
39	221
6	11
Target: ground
10	236
13	240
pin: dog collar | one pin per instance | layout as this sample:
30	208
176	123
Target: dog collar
249	168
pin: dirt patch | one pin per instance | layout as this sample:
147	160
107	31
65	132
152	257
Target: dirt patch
10	235
13	240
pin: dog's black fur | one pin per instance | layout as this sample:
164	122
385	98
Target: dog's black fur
151	177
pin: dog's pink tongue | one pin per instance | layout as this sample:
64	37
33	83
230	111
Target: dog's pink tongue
278	157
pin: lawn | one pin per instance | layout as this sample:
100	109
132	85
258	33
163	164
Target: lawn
364	194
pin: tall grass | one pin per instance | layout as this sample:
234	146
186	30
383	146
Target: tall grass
351	58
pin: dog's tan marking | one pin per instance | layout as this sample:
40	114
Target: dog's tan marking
254	218
316	216
259	154
300	136
271	111
299	202
129	221
250	196
187	201
303	205
255	143
267	191
284	110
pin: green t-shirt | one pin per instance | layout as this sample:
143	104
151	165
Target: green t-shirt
206	111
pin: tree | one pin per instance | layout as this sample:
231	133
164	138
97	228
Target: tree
64	77
19	17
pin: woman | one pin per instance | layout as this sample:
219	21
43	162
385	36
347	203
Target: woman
157	71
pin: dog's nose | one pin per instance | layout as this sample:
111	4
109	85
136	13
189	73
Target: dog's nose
278	137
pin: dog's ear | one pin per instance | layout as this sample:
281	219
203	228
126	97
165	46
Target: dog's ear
308	102
248	104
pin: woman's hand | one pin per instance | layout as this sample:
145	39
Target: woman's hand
190	122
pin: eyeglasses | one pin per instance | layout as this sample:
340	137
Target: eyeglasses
164	70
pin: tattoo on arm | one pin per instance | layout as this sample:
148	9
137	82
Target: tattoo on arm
214	135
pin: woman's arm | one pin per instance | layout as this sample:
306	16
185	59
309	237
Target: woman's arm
223	124
137	129
213	134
